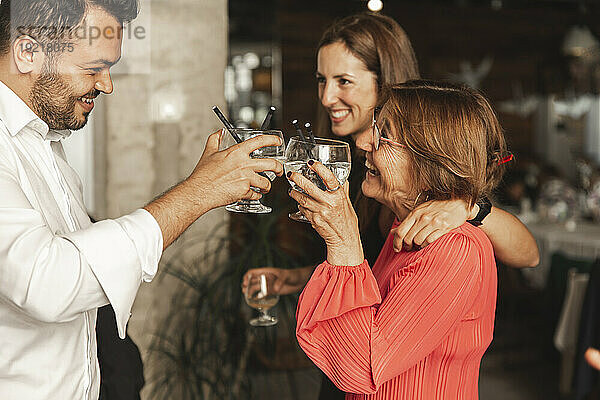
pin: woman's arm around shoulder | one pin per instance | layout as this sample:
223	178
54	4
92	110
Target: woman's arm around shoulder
513	244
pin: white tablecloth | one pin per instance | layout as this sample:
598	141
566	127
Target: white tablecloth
582	243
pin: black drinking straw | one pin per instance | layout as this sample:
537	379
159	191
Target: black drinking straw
223	119
267	120
229	126
298	129
310	133
307	144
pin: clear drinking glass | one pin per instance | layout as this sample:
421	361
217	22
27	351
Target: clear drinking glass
276	152
334	154
259	295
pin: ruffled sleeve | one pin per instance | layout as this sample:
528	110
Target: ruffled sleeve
360	340
335	290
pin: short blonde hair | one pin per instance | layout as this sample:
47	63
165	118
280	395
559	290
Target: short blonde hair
454	139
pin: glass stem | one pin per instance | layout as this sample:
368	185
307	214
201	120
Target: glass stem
263	314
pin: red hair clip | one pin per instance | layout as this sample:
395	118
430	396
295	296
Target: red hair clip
506	159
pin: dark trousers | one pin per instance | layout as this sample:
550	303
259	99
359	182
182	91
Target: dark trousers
121	368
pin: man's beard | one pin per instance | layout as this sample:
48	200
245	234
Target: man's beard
52	100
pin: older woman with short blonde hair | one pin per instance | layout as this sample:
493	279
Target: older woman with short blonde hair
417	324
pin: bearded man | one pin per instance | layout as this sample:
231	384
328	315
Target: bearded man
56	266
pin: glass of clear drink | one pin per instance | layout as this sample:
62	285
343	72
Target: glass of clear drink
276	152
259	295
334	154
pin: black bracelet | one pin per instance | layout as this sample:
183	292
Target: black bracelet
485	207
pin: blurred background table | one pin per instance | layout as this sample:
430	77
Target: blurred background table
581	243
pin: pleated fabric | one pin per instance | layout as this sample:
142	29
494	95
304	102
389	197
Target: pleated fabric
414	327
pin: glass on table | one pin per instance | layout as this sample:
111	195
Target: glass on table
259	295
333	154
275	152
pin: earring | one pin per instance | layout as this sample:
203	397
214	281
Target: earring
417	198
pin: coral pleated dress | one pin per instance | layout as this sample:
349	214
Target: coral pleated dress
414	327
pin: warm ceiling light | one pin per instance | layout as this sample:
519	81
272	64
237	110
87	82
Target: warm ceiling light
375	5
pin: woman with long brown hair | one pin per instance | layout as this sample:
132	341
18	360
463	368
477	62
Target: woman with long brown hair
356	56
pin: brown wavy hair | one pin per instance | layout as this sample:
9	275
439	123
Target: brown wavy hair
454	139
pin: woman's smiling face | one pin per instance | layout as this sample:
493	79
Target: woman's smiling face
347	90
388	177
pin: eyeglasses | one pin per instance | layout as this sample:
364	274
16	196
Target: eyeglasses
378	136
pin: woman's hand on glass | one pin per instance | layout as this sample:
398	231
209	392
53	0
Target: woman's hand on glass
430	221
331	214
288	280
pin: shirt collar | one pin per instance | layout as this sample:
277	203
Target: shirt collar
17	115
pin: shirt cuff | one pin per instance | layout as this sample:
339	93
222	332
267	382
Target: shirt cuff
145	233
121	253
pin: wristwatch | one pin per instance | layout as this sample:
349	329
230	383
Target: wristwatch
485	207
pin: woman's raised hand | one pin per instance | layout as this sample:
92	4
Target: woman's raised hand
331	214
430	221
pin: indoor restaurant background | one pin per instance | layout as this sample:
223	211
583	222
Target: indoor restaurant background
538	61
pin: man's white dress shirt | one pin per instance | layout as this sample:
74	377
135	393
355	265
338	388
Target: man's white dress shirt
56	267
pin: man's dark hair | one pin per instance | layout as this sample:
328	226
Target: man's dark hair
51	20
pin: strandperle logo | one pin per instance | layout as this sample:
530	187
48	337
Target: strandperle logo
91	33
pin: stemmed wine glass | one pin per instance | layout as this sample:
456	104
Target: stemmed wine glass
259	295
276	152
334	154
